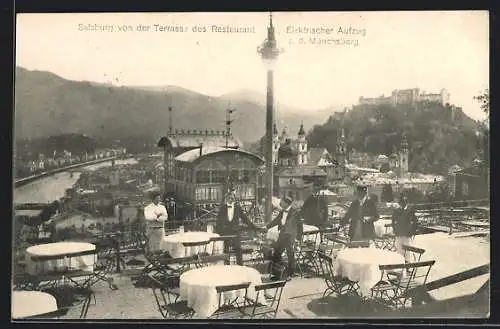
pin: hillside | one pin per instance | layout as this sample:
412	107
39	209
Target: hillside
46	104
436	140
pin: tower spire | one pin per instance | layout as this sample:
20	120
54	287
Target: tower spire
301	130
170	120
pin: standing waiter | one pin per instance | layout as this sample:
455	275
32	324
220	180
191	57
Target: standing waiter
228	223
361	215
290	228
155	215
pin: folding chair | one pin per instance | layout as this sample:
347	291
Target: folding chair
331	244
130	245
231	308
225	239
392	291
68	297
306	252
334	283
200	249
272	293
106	258
163	290
387	240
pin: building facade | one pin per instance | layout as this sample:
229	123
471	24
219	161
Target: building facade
181	141
202	176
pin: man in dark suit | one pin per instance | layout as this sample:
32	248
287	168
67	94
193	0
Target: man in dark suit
361	215
290	228
404	223
228	223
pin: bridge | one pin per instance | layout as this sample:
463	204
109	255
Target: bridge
29	179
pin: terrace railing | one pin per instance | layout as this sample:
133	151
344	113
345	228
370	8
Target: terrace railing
420	295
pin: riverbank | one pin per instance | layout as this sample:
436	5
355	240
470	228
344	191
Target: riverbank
49	189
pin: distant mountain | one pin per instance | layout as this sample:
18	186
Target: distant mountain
46	104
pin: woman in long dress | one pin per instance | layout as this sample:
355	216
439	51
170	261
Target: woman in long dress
155	215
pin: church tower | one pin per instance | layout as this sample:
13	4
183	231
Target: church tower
302	146
276	144
403	156
341	151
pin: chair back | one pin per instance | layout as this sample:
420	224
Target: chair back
328	232
326	266
225	305
310	238
200	245
207	260
272	293
222	238
331	244
225	239
404	276
414	251
358	244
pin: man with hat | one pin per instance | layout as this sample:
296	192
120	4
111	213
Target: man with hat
361	215
290	228
404	223
155	215
228	223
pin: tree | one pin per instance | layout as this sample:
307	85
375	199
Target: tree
484	100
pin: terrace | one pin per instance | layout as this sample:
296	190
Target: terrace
302	296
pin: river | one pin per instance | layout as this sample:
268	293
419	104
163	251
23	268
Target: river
48	189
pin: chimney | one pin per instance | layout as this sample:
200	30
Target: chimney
201	149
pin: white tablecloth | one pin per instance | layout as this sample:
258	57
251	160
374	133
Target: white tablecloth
361	265
173	244
32	303
198	286
66	260
273	233
380	228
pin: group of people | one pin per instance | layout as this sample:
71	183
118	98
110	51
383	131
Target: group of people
360	217
362	214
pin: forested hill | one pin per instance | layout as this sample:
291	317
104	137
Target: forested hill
438	136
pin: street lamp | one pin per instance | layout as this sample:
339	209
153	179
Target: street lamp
269	54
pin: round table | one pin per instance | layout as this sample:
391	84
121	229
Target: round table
32	303
380	228
361	265
198	286
273	233
173	244
63	256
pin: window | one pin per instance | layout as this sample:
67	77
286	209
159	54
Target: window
203	176
208	193
245	176
218	176
202	193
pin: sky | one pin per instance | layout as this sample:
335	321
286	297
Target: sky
363	54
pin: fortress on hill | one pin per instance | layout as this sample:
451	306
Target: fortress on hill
408	96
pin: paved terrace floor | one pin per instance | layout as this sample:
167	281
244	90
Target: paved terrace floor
302	296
